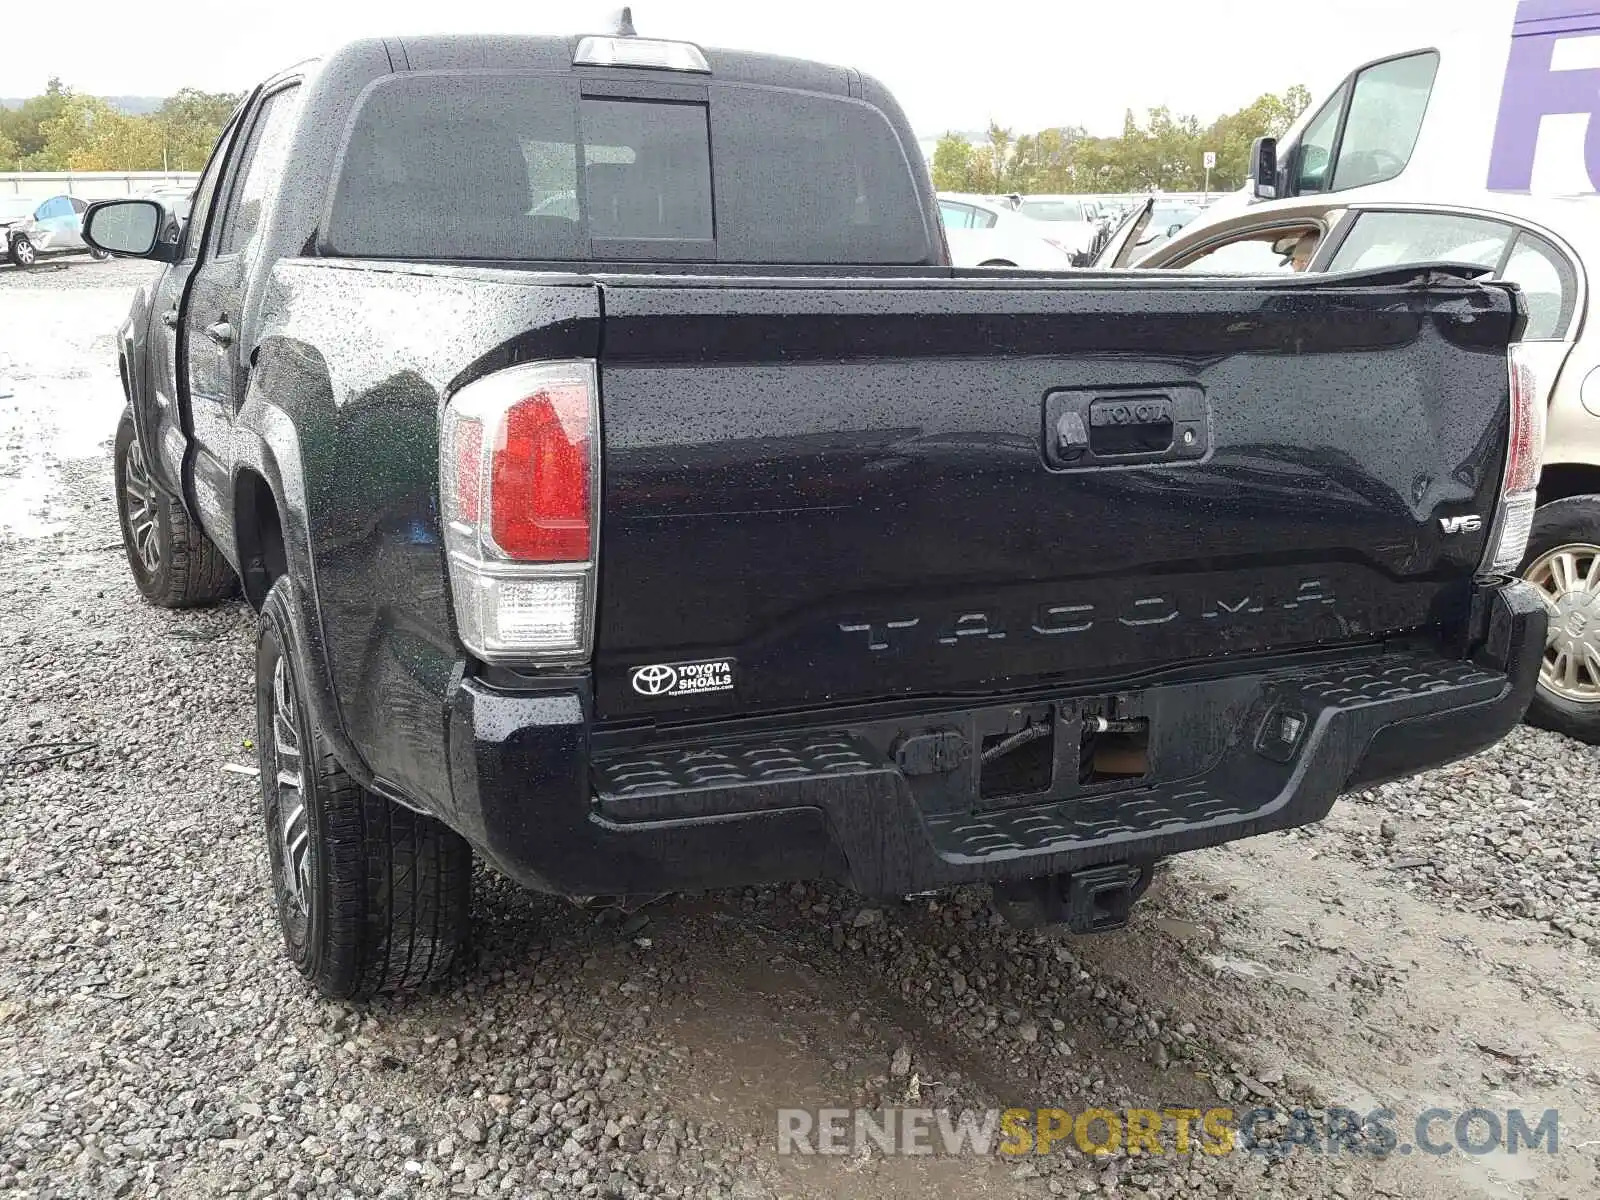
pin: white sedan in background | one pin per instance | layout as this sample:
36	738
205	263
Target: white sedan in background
1075	221
983	233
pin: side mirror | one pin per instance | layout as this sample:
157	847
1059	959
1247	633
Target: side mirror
1264	168
131	228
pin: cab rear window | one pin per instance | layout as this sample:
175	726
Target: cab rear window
523	167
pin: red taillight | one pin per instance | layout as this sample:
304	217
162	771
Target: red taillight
539	481
518	486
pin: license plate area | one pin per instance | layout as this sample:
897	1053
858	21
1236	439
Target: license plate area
1018	758
1031	753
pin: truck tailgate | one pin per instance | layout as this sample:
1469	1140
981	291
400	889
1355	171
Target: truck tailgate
816	491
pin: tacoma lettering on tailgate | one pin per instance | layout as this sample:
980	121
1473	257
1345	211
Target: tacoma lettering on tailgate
1056	620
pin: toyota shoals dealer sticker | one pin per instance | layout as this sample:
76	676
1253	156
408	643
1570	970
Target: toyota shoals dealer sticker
661	680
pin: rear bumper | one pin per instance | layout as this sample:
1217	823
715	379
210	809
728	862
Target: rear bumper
865	802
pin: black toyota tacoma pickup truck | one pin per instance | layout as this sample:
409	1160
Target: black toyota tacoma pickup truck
633	495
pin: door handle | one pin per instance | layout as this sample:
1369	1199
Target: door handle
221	333
170	318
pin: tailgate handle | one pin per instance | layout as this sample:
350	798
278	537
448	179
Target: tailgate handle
1137	425
1125	426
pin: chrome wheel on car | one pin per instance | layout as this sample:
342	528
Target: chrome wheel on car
142	508
1568	578
286	814
23	253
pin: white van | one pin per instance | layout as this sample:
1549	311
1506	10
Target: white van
1510	105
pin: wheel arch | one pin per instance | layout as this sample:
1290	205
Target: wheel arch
258	535
272	535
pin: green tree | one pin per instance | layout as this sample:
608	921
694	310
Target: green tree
190	122
1045	161
991	160
24	126
1231	136
90	135
952	163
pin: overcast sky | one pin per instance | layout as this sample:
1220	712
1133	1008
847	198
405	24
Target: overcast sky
953	64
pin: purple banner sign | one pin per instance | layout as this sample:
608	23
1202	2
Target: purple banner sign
1532	90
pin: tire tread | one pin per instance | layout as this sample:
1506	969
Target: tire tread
399	883
197	573
192	572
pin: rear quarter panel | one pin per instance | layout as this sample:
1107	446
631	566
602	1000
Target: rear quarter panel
341	417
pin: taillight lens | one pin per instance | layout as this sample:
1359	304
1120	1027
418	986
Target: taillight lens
518	476
539	480
1533	367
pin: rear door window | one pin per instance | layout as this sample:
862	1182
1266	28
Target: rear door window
956	216
265	155
1548	282
1383	239
1252	254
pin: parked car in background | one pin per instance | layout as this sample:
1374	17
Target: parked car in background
53	226
983	233
1151	225
1074	221
177	202
14	209
1542	245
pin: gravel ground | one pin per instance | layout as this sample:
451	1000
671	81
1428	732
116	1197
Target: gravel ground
1515	832
1433	943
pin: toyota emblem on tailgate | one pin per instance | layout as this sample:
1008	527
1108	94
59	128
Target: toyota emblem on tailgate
654	680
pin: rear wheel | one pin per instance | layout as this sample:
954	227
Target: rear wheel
371	896
23	253
1564	564
99	255
997	262
174	564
